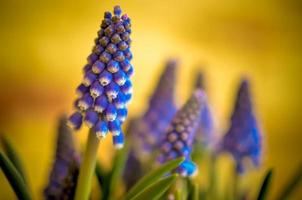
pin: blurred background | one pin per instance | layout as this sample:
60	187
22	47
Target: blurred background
44	45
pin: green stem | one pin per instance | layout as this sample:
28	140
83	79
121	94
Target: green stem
87	168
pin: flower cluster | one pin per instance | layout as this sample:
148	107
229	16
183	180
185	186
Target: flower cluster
64	174
160	112
205	130
243	138
180	135
106	88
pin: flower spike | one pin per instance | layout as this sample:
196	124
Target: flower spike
106	87
180	135
243	139
65	170
161	110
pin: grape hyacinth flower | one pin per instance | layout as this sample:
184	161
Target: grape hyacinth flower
65	170
104	92
160	112
205	130
106	88
181	134
243	139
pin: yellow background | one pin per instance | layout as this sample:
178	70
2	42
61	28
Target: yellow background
44	45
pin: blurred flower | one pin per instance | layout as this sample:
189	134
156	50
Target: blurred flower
205	130
243	139
106	88
65	170
154	122
180	135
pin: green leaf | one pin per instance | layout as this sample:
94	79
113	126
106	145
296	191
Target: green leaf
13	156
153	176
117	171
157	189
14	178
292	184
265	185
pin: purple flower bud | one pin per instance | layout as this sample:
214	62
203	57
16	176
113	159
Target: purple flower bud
75	120
120	28
100	34
112	90
96	89
125	36
130	72
101	129
119	56
105	57
100	104
125	17
127	87
122	46
110	113
89	78
116	19
98	67
85	102
81	89
126	65
91	118
107	15
98	49
118	141
92	58
105	78
117	10
120	77
122	114
109	31
115	39
128	98
104	41
114	127
120	100
105	23
128	54
113	66
111	48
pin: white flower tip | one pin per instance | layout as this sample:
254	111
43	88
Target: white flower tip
119	146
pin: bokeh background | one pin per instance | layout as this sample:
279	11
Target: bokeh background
44	45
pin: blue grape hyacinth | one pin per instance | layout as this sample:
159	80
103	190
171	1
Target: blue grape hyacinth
106	88
243	139
150	127
65	170
181	134
205	130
